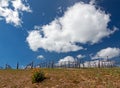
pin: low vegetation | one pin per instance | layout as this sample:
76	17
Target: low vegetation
62	78
37	75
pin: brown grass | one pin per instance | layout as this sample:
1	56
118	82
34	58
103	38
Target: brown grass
63	78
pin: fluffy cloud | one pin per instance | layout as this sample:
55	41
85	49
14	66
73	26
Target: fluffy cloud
65	60
36	41
98	63
81	23
69	59
10	11
72	61
40	57
80	56
92	2
107	53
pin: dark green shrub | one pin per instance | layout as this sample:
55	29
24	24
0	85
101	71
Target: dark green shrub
38	76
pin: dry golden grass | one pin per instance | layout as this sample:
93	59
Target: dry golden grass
63	78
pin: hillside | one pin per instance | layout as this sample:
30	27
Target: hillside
63	78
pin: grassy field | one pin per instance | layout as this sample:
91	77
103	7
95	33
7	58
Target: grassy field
63	78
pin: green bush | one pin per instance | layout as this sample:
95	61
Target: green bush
38	76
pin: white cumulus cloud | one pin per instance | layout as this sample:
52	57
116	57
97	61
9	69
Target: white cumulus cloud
10	11
107	53
40	57
81	23
98	63
69	59
80	56
65	60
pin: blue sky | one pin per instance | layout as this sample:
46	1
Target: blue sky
36	16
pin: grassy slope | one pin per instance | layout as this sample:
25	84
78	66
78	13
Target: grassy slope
63	78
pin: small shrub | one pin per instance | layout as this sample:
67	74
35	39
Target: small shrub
38	75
